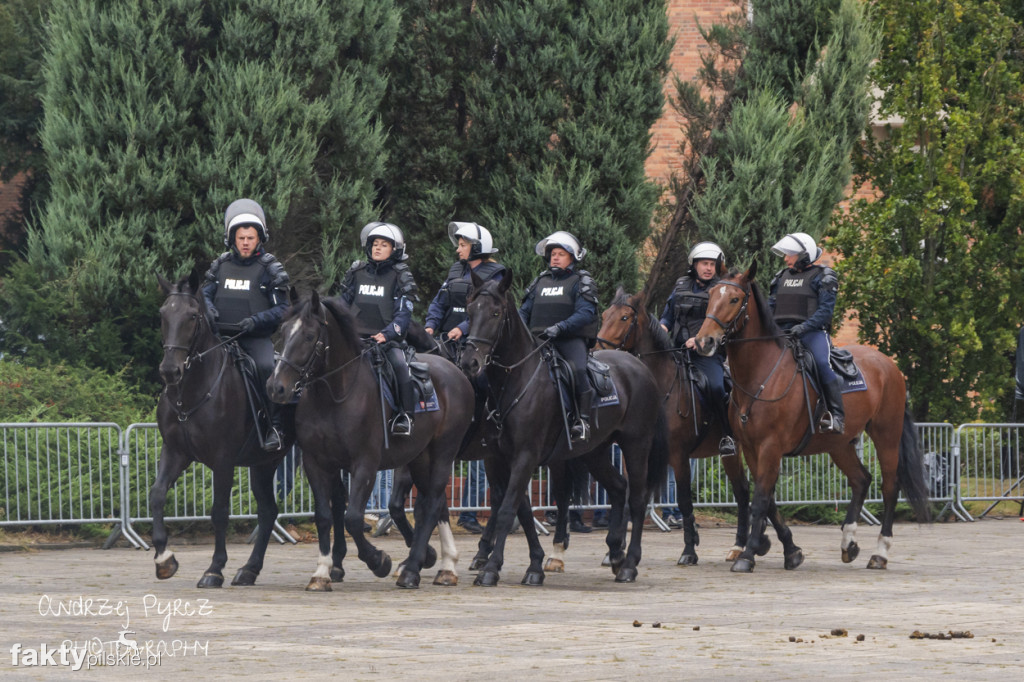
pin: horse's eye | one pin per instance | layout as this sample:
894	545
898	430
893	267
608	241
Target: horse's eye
309	337
495	313
625	318
735	300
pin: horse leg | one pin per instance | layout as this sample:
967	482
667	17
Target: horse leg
168	470
733	468
223	478
684	500
261	480
560	485
534	573
614	483
888	458
327	487
793	556
338	504
363	477
845	457
764	468
518	480
446	576
432	477
396	509
497	474
635	452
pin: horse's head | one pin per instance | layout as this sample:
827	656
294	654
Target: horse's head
622	322
183	319
488	311
304	330
727	309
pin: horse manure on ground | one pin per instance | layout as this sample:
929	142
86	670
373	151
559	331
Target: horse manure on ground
951	634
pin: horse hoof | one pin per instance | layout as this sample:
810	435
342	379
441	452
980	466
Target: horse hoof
384	567
431	558
409	580
743	565
446	579
534	578
245	577
763	546
850	553
337	574
879	562
626	575
167	568
478	563
607	561
553	565
486	579
319	585
616	564
687	560
793	560
211	579
733	554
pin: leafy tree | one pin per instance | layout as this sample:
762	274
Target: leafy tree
933	265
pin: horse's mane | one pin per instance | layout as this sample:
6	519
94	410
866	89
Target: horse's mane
765	312
341	313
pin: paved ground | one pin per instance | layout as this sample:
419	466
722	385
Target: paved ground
578	626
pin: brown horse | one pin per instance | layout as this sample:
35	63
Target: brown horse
693	430
770	412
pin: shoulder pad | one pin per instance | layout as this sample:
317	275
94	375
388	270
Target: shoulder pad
587	287
533	284
358	265
278	276
211	274
829	279
406	283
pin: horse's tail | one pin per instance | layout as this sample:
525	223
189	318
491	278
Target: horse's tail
910	470
657	461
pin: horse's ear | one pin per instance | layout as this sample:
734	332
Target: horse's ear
506	281
720	268
193	280
314	299
164	284
752	270
293	295
475	279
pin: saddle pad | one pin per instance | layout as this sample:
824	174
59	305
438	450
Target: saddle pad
599	400
428	405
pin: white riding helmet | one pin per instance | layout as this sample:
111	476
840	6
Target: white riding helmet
386	231
564	240
245	213
475	234
705	251
799	244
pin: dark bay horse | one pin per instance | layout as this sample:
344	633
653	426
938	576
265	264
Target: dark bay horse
626	325
532	431
204	417
340	423
770	415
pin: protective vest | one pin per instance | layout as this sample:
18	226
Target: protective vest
239	294
690	308
374	299
458	283
554	302
796	299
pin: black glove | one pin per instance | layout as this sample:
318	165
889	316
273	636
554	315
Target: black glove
798	330
246	325
212	312
553	331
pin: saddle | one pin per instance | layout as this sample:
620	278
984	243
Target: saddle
419	371
259	401
599	374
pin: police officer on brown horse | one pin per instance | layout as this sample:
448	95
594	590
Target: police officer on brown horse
803	298
683	316
381	291
561	304
246	292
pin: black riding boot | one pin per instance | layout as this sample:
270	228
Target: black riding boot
832	420
401	425
726	446
273	441
581	429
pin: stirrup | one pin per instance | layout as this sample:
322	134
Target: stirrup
401	425
580	431
272	441
726	447
829	424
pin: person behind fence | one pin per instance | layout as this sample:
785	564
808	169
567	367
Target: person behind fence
561	305
381	291
246	291
446	317
683	317
803	299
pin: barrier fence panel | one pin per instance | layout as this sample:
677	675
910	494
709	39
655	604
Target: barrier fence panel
990	460
63	473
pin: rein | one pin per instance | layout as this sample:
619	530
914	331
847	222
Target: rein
190	355
316	359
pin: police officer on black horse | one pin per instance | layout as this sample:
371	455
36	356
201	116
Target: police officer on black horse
561	305
446	316
683	316
803	298
381	290
246	291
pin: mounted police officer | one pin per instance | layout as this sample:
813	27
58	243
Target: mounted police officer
246	291
803	298
446	315
683	317
561	304
381	290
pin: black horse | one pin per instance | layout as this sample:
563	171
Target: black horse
204	416
532	431
340	421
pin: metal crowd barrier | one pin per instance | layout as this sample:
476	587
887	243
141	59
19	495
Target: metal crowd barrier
77	473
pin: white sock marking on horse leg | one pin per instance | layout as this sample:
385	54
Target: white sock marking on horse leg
165	556
849	533
449	551
323	566
558	552
884	545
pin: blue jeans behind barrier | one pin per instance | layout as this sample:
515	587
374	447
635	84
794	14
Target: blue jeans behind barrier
381	492
474	491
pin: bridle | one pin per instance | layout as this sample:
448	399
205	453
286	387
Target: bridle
190	353
304	373
634	323
737	322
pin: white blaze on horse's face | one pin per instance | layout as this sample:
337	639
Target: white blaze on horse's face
291	329
722	290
